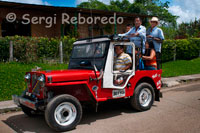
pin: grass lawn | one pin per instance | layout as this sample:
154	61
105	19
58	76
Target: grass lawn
12	74
181	67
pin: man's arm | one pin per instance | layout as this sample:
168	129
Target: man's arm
127	66
160	37
127	62
127	33
142	32
158	40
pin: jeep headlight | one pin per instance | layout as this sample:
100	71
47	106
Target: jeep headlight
41	78
27	76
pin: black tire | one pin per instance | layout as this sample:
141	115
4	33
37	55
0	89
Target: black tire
138	102
28	111
58	109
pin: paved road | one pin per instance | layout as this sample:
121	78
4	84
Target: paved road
178	111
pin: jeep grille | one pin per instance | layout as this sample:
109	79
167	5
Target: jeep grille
35	85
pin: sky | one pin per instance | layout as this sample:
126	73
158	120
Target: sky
187	10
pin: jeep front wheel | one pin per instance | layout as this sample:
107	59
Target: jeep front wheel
63	113
143	97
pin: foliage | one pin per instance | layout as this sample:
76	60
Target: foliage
67	45
183	31
35	49
168	49
120	6
154	8
169	32
185	49
4	49
191	29
12	77
93	4
144	7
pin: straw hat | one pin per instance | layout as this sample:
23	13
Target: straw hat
155	19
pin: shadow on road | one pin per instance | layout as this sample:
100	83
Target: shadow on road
107	110
22	123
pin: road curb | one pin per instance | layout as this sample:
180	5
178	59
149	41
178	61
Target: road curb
9	109
190	80
177	82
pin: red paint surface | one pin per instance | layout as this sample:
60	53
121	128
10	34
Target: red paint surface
77	83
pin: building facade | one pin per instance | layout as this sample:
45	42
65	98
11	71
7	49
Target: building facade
49	21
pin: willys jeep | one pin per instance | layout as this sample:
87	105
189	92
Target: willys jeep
91	78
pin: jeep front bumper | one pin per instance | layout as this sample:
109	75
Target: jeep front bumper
23	101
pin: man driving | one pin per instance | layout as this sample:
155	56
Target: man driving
122	61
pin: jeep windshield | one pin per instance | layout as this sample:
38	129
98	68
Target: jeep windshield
93	50
84	56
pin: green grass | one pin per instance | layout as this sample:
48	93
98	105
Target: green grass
181	67
12	77
12	74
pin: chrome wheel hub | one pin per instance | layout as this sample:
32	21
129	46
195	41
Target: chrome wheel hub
65	114
145	97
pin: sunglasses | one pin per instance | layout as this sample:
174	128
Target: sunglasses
154	22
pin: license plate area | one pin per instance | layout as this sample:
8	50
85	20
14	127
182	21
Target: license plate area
118	93
27	103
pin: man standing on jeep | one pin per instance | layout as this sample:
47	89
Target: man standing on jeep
122	61
156	36
137	35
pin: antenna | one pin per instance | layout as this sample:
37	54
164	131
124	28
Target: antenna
95	69
91	14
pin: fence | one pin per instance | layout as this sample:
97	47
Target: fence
41	50
11	59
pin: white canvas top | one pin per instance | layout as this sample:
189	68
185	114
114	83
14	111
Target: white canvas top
91	41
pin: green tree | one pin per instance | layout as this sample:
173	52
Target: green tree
191	29
154	8
93	4
144	7
120	6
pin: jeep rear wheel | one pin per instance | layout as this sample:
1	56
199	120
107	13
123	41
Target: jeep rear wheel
143	97
63	113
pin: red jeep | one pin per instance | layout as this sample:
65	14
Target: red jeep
90	78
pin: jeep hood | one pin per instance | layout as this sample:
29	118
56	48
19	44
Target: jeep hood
68	75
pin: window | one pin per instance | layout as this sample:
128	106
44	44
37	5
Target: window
70	30
15	28
89	50
120	62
